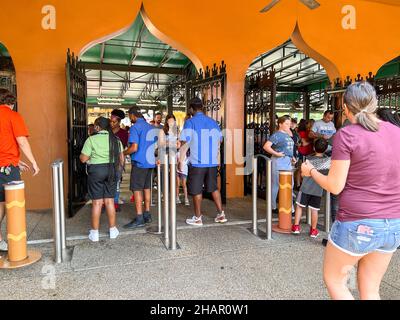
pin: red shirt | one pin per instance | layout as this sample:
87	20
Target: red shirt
123	135
12	125
308	149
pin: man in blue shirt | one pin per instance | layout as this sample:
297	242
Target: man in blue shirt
142	139
202	136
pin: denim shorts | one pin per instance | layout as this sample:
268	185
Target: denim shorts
360	237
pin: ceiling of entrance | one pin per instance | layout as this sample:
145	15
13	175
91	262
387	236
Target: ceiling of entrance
3	51
152	66
136	67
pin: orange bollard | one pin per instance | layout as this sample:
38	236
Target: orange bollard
18	255
285	203
16	222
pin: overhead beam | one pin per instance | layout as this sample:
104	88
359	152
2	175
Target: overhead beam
134	49
103	48
298	71
126	68
295	64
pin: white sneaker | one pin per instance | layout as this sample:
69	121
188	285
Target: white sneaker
187	203
3	246
178	201
221	218
94	235
114	233
194	221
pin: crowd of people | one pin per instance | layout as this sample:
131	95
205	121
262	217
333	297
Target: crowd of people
146	143
358	163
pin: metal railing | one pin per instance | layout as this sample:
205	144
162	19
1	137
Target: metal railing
156	230
159	204
172	164
152	204
58	211
327	216
166	201
254	229
169	192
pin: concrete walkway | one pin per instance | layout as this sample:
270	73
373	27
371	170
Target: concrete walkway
214	262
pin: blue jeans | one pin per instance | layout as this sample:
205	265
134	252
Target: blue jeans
278	164
360	237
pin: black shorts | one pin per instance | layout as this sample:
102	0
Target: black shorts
14	175
199	177
306	200
141	178
99	187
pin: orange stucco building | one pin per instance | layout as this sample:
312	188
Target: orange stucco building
347	37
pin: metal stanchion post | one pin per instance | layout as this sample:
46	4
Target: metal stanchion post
62	207
159	204
166	202
269	199
327	224
255	229
152	204
157	230
56	213
173	201
61	252
308	218
328	212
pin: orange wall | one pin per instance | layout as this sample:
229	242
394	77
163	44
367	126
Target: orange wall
207	31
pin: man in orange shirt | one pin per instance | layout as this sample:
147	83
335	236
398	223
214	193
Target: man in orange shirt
13	137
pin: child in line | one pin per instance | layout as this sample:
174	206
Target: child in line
181	178
310	193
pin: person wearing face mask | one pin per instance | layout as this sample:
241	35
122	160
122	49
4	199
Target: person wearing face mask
281	146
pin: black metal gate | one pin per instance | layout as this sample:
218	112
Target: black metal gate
260	95
7	77
77	133
387	91
210	87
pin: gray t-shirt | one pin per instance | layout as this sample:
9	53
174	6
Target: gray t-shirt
321	127
309	186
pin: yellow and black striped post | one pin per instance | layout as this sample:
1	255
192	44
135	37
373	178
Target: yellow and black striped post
18	254
285	203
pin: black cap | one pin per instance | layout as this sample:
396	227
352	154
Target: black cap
135	111
196	104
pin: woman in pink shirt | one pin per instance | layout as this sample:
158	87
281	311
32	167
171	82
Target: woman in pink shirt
365	171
